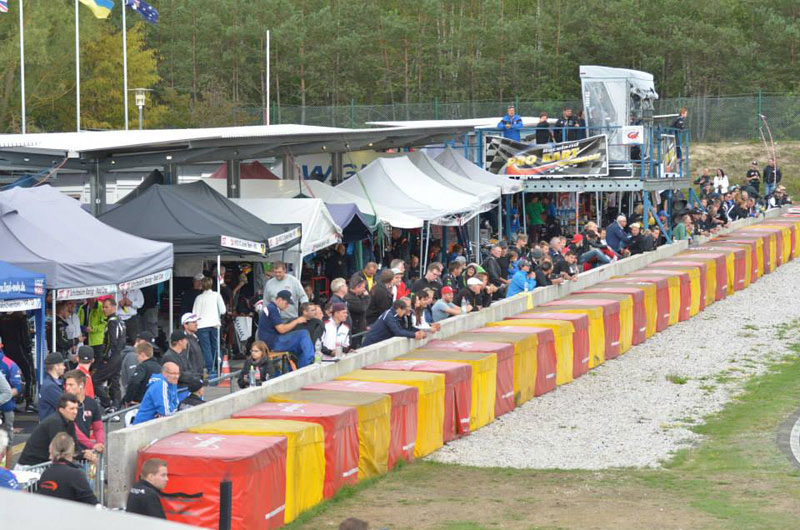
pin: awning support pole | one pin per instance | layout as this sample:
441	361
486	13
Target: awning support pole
171	308
219	331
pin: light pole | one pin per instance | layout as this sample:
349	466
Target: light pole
140	101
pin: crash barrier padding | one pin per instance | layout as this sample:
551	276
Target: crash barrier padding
597	345
457	391
504	352
305	456
403	419
692	276
649	294
769	245
724	260
572	350
742	253
374	431
757	247
484	379
197	463
430	403
340	426
525	351
626	314
637	297
673	284
685	286
659	289
794	228
610	320
776	243
707	271
716	271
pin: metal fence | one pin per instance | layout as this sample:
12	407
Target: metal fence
711	119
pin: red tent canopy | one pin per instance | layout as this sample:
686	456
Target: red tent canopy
247	171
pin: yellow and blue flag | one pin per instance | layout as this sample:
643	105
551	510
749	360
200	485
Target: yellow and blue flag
100	8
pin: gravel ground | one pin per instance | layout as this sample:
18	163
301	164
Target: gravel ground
636	410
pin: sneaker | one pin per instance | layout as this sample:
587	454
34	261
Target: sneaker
30	408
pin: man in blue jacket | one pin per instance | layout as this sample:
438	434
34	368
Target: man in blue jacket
280	336
52	386
388	325
511	124
616	237
161	398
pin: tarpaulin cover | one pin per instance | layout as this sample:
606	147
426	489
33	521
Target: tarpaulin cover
525	360
688	290
305	456
626	314
572	356
504	352
374	431
655	288
457	391
403	419
637	296
673	293
708	275
484	379
724	266
749	273
649	294
770	246
597	333
32	223
757	248
197	463
611	327
340	425
696	280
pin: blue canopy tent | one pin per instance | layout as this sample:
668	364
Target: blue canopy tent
355	225
22	290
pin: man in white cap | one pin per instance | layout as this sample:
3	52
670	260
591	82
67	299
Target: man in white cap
193	352
470	294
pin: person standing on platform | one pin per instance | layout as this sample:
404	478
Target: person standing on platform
511	124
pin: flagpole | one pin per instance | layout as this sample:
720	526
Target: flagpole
267	116
77	73
22	65
125	61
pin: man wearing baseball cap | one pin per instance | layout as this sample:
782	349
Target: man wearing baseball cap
281	336
336	337
194	351
52	386
85	360
444	307
178	353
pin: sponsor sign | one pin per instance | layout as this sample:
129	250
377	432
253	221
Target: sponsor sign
24	304
580	158
146	281
633	135
285	237
77	293
243	244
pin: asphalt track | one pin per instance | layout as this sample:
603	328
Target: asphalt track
789	438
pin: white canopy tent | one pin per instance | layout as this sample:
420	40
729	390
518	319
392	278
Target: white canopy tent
318	227
455	162
312	188
486	194
398	182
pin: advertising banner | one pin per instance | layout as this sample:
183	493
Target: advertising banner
579	158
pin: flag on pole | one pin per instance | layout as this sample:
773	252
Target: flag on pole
100	8
3	6
145	10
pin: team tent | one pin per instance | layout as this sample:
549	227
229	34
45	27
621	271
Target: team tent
453	161
486	194
319	230
355	225
22	290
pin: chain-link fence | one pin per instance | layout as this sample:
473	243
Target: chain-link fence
711	119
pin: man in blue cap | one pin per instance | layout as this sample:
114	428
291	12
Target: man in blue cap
281	336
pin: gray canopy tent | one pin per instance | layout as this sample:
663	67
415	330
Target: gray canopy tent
45	231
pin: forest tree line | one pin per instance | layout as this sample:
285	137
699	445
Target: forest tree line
205	60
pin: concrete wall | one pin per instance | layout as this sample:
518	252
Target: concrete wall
124	444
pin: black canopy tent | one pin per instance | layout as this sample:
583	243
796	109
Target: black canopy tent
200	223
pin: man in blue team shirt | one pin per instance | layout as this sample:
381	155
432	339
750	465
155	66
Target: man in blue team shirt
388	325
511	124
280	336
161	398
52	386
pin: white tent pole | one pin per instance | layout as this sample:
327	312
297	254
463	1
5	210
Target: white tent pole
524	215
500	219
22	65
77	73
53	321
171	309
219	331
125	63
267	118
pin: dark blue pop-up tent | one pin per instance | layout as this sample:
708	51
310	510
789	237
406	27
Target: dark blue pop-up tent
355	225
22	290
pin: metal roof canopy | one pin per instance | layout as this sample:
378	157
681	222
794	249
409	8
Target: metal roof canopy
114	150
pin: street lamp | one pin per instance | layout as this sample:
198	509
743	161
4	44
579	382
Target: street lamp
140	101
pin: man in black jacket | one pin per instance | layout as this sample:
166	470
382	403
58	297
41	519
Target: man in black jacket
37	448
108	365
431	280
381	296
147	367
65	479
144	497
178	354
357	301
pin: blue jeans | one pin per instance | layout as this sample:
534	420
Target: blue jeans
208	343
297	343
769	189
594	253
